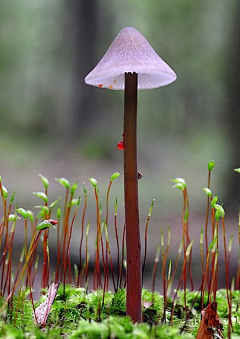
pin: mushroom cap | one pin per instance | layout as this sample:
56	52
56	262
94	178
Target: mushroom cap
130	52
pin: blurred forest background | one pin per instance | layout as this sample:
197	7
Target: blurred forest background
52	123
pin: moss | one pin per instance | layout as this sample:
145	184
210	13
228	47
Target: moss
84	315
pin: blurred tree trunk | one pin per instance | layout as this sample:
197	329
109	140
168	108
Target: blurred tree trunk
83	30
233	106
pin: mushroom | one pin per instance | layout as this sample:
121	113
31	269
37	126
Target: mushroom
130	64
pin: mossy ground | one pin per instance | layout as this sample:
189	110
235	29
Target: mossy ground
84	315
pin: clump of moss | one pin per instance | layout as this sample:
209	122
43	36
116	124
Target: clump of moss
122	327
103	315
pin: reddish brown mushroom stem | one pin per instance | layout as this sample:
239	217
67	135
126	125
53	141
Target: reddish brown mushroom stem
133	244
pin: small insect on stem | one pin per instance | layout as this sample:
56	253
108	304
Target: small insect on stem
120	145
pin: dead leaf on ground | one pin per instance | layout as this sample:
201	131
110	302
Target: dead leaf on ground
210	324
43	310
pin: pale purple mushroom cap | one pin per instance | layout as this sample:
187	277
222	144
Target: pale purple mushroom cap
130	52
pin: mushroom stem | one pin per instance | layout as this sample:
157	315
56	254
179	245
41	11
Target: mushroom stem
134	288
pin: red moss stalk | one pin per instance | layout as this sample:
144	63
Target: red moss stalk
68	248
122	258
79	282
145	238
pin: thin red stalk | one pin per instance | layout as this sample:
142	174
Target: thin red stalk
1	233
81	240
169	274
156	262
86	253
25	236
188	242
207	214
45	260
107	199
204	280
106	255
163	275
5	219
20	261
68	250
30	264
3	264
10	259
165	255
214	229
95	272
213	260
9	244
64	231
201	250
213	273
6	244
10	204
227	272
103	255
97	263
145	238
122	259
65	239
31	296
202	263
47	216
9	269
45	251
35	270
96	283
58	253
110	259
106	277
48	265
184	223
187	218
206	224
184	237
32	259
118	250
7	275
105	283
213	221
103	262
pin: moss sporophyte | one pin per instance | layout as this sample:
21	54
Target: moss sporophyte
68	310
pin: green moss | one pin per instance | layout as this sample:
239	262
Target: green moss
118	306
122	327
84	315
